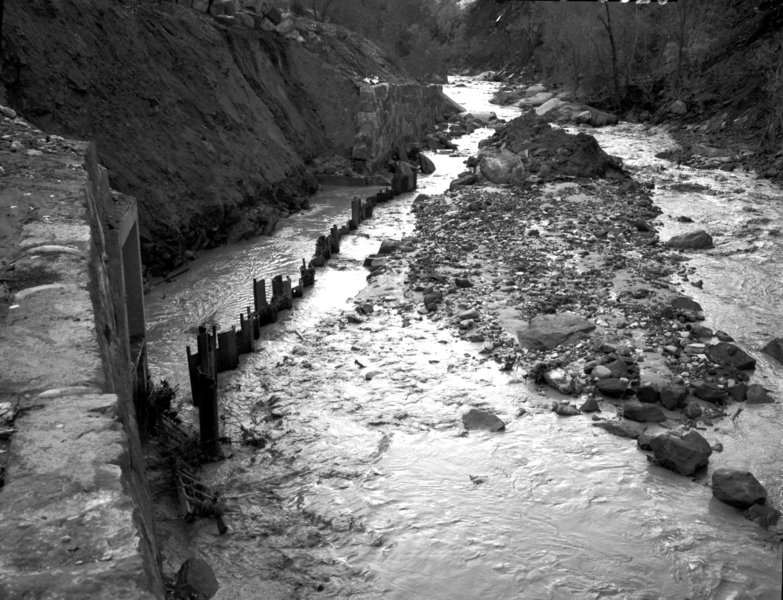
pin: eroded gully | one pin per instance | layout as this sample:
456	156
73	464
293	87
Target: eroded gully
379	493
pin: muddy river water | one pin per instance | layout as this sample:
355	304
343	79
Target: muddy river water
551	508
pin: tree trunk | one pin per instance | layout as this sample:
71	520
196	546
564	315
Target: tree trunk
615	74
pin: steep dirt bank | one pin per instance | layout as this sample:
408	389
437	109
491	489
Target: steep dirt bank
205	124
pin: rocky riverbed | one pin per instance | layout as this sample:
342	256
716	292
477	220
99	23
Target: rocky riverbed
549	311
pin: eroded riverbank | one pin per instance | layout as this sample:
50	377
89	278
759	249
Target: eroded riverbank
369	487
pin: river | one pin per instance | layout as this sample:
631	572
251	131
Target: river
550	509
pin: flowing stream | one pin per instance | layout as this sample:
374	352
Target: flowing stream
561	511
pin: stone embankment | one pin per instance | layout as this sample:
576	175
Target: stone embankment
76	515
217	128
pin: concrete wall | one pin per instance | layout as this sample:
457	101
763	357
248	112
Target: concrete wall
392	114
76	517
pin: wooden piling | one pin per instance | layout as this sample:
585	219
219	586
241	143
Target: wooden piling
297	291
247	333
277	285
208	415
193	363
228	357
259	294
287	292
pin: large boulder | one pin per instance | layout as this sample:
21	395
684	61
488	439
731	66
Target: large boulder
678	107
501	166
536	100
618	428
505	97
684	455
546	332
404	178
534	90
673	395
708	391
564	409
643	413
648	393
426	165
685	303
196	580
739	489
560	380
482	420
732	355
757	394
774	349
694	240
462	180
764	515
551	105
612	387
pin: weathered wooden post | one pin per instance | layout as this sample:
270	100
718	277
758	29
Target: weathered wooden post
335	231
308	274
354	222
368	206
259	294
193	363
228	357
287	288
277	286
247	331
209	424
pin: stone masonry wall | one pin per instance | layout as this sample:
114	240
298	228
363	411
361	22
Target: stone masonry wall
393	114
76	515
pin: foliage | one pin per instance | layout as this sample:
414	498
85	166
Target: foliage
419	33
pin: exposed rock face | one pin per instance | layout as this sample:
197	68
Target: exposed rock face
546	332
482	420
739	489
730	354
501	166
643	413
695	240
683	455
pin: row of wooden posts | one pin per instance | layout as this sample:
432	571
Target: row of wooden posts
219	351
